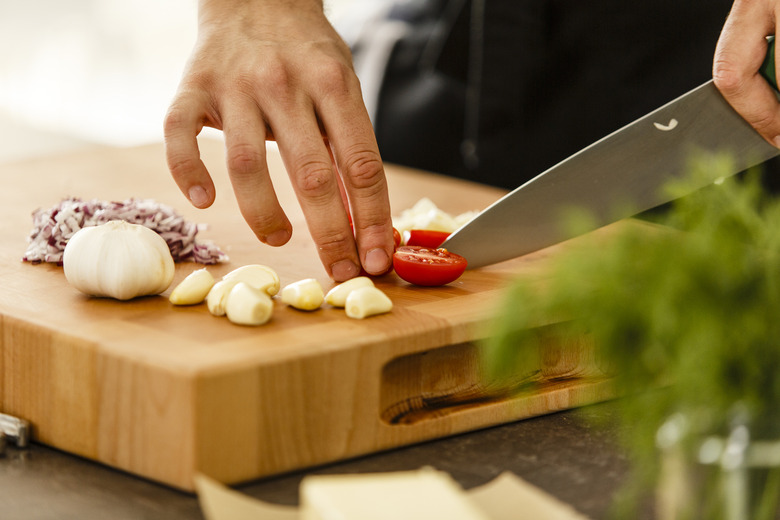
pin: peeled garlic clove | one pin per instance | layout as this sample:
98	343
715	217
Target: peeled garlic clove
248	306
119	260
256	275
305	295
367	301
337	296
193	289
216	299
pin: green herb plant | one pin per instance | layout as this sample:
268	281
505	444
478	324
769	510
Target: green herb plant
686	316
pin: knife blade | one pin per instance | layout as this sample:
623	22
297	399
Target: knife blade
616	177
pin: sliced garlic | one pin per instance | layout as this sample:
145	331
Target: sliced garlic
193	289
256	275
119	260
337	296
305	295
248	306
367	301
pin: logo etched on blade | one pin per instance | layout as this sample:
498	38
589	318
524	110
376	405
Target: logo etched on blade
665	128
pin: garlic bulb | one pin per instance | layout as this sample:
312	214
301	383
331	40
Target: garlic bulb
119	260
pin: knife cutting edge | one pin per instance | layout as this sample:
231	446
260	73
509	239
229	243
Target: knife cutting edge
627	169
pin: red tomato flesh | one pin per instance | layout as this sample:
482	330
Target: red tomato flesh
396	237
425	237
427	266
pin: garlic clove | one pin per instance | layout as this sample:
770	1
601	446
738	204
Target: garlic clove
337	296
305	295
216	299
367	301
248	306
256	275
193	289
118	260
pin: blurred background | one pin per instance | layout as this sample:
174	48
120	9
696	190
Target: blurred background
77	73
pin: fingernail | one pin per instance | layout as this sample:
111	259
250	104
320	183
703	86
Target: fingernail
377	261
278	238
198	196
343	270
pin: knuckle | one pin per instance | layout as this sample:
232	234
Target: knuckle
727	77
175	119
380	229
182	166
763	120
193	104
270	82
335	77
200	80
373	233
272	75
732	82
364	169
335	241
244	159
261	223
314	178
276	78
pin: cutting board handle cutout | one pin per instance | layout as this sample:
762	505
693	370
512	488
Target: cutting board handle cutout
436	383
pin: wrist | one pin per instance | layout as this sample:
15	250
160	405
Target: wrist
269	11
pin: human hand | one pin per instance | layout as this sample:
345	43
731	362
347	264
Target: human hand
740	52
269	70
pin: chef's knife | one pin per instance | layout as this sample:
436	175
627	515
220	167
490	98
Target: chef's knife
627	169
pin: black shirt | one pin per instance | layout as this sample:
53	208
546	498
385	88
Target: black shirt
497	91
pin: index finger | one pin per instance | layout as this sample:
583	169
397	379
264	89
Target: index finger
183	123
739	54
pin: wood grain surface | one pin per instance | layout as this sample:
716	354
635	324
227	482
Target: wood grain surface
165	392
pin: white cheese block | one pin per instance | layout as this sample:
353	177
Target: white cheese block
425	494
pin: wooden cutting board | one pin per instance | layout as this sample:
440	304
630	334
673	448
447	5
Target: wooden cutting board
165	392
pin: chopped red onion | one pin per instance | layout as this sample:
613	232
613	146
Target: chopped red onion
52	228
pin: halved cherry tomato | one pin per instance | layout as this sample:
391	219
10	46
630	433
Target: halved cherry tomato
427	266
425	237
396	237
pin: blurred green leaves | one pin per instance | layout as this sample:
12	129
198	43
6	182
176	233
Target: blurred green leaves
687	314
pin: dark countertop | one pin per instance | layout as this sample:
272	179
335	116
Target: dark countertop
573	455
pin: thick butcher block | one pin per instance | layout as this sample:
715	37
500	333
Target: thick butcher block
165	392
